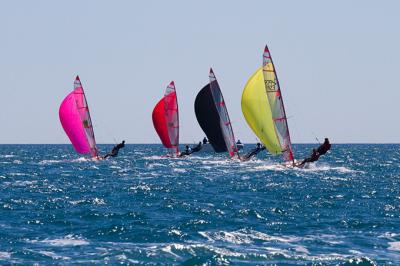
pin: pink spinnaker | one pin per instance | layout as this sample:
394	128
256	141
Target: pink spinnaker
75	119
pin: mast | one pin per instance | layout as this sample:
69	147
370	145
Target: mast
87	123
274	94
166	120
225	121
76	121
172	116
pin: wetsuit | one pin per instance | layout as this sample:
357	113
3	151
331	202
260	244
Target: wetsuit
197	148
252	153
324	148
115	150
188	151
314	157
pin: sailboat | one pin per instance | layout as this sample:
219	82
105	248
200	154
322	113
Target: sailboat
75	119
263	109
166	120
213	118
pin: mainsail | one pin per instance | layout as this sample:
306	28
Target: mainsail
213	118
75	119
263	109
166	120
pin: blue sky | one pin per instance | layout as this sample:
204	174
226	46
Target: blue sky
337	63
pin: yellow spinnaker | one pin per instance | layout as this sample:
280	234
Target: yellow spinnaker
257	112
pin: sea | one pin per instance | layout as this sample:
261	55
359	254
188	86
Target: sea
58	207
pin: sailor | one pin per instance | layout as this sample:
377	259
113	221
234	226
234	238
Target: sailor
324	147
313	157
115	150
205	140
187	151
198	147
253	152
239	145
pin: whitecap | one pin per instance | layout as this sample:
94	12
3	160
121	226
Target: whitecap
47	162
4	255
156	157
388	235
24	183
7	156
315	167
98	201
53	255
301	249
270	167
362	260
82	159
152	165
217	162
335	178
168	249
175	232
394	246
76	202
244	236
68	240
140	187
17	174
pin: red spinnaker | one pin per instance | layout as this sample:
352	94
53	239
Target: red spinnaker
166	120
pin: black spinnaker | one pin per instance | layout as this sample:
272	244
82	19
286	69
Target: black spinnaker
208	118
213	118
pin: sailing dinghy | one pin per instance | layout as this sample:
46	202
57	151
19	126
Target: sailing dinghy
75	119
263	109
166	120
213	118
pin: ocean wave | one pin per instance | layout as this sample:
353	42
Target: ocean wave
53	255
18	174
68	240
157	157
179	170
175	232
389	235
5	255
7	156
142	187
214	161
24	183
394	245
48	162
199	209
297	254
309	168
83	159
245	236
154	165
